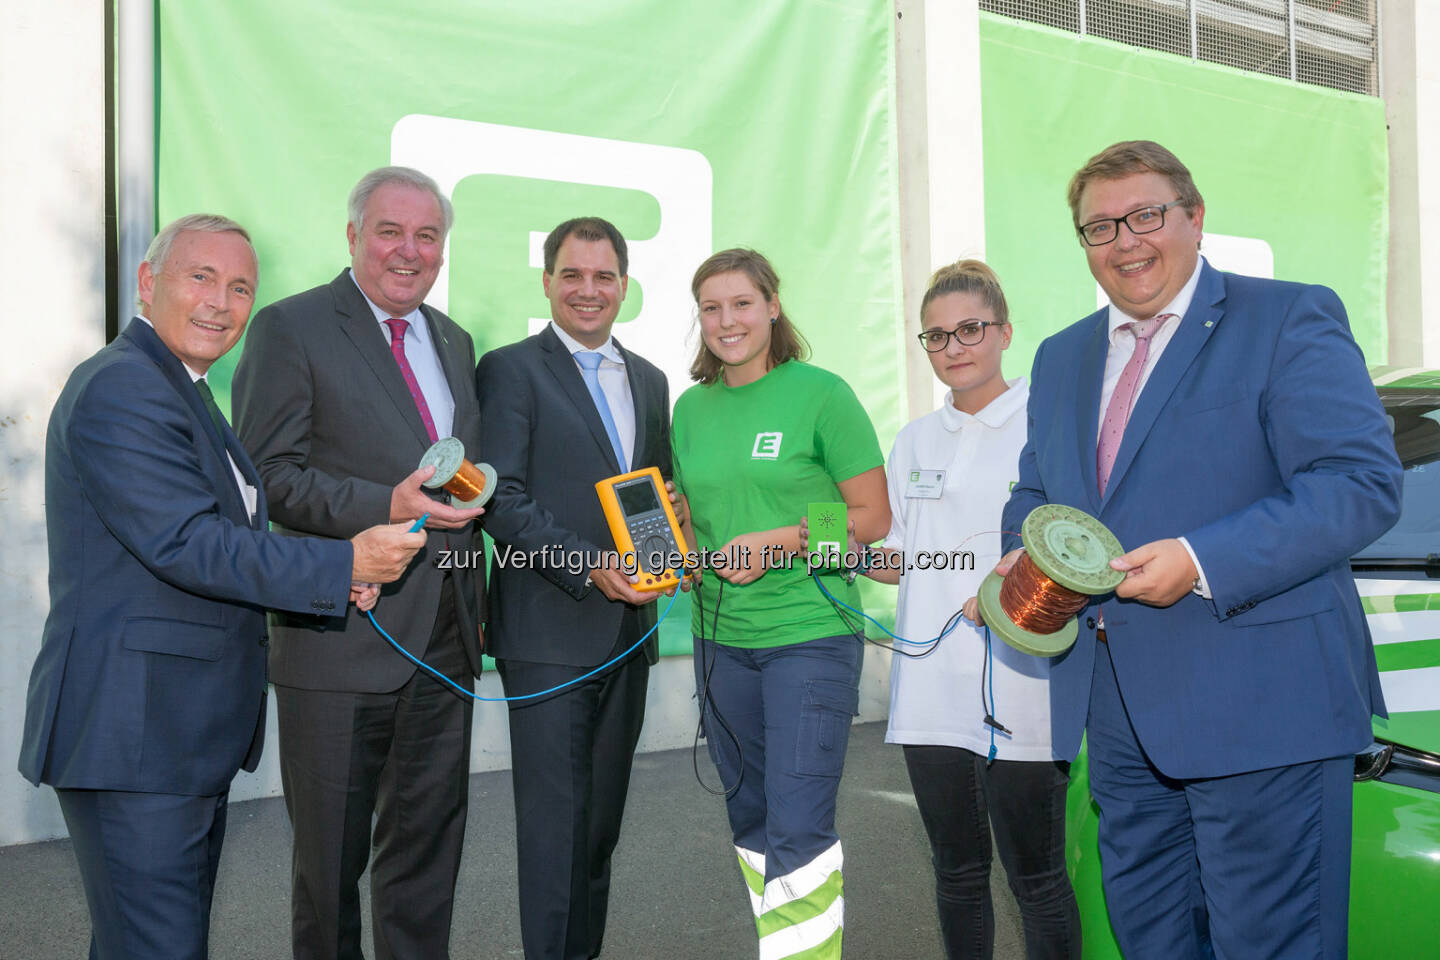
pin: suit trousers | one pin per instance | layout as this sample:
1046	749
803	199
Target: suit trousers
570	754
1256	864
147	861
403	757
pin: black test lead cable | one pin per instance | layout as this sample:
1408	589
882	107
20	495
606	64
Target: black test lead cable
704	696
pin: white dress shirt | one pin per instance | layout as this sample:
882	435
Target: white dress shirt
1122	348
614	382
424	362
247	492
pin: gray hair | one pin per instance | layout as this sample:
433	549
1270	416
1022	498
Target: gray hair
408	176
159	250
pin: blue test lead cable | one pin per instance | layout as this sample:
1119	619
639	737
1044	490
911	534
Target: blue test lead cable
528	696
987	672
931	643
419	525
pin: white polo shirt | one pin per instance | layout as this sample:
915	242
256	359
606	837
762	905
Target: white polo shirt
936	700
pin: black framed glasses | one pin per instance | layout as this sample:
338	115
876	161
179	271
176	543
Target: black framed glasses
1097	233
967	334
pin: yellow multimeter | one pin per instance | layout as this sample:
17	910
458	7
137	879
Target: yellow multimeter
644	527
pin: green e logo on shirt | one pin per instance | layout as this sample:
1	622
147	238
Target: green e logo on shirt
767	446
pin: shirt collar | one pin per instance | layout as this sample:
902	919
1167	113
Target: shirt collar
415	317
608	350
194	377
993	415
1178	306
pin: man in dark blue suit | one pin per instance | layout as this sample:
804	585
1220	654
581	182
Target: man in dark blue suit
1225	429
148	692
564	409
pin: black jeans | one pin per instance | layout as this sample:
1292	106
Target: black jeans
960	798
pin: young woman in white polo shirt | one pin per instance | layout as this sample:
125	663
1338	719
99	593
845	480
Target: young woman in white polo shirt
949	475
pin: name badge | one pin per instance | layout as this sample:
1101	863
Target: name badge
925	485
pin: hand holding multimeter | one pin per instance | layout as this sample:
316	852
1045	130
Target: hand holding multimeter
647	533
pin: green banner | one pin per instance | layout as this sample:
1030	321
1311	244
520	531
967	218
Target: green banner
693	127
1294	177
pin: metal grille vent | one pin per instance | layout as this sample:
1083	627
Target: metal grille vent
1331	43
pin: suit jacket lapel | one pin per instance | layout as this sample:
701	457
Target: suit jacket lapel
1090	377
359	326
567	374
261	520
226	492
637	398
1194	331
459	376
144	336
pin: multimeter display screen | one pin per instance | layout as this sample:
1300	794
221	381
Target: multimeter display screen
638	497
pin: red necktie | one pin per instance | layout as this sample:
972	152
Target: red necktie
397	347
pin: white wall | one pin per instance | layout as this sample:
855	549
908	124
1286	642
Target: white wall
52	264
942	170
1410	84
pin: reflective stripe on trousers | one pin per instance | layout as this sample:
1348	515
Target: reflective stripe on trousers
800	916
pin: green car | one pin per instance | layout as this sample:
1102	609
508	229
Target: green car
1395	864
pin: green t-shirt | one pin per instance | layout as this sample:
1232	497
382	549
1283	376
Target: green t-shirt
755	457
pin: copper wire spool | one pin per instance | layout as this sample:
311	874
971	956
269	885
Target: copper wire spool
1066	562
470	485
1036	603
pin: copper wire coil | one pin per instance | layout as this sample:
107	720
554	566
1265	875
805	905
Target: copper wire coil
468	482
1036	603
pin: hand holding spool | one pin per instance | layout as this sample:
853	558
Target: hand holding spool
1066	562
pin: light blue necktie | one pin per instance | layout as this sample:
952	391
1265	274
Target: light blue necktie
589	362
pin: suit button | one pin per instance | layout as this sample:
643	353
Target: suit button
264	641
1090	622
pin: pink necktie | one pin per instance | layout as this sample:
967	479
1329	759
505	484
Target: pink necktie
397	347
1112	429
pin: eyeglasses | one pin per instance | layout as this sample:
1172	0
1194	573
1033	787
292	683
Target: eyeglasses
967	334
1097	233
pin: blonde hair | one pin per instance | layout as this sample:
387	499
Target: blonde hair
968	276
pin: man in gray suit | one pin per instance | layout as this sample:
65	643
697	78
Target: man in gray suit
339	392
562	410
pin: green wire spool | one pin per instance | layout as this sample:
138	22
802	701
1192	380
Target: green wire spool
1070	547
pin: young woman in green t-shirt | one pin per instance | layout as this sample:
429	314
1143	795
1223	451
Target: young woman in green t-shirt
762	435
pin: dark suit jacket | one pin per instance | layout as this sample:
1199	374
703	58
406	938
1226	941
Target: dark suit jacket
151	673
1260	439
322	407
546	441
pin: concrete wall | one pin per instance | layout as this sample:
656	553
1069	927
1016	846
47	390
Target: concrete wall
1410	85
942	171
52	193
